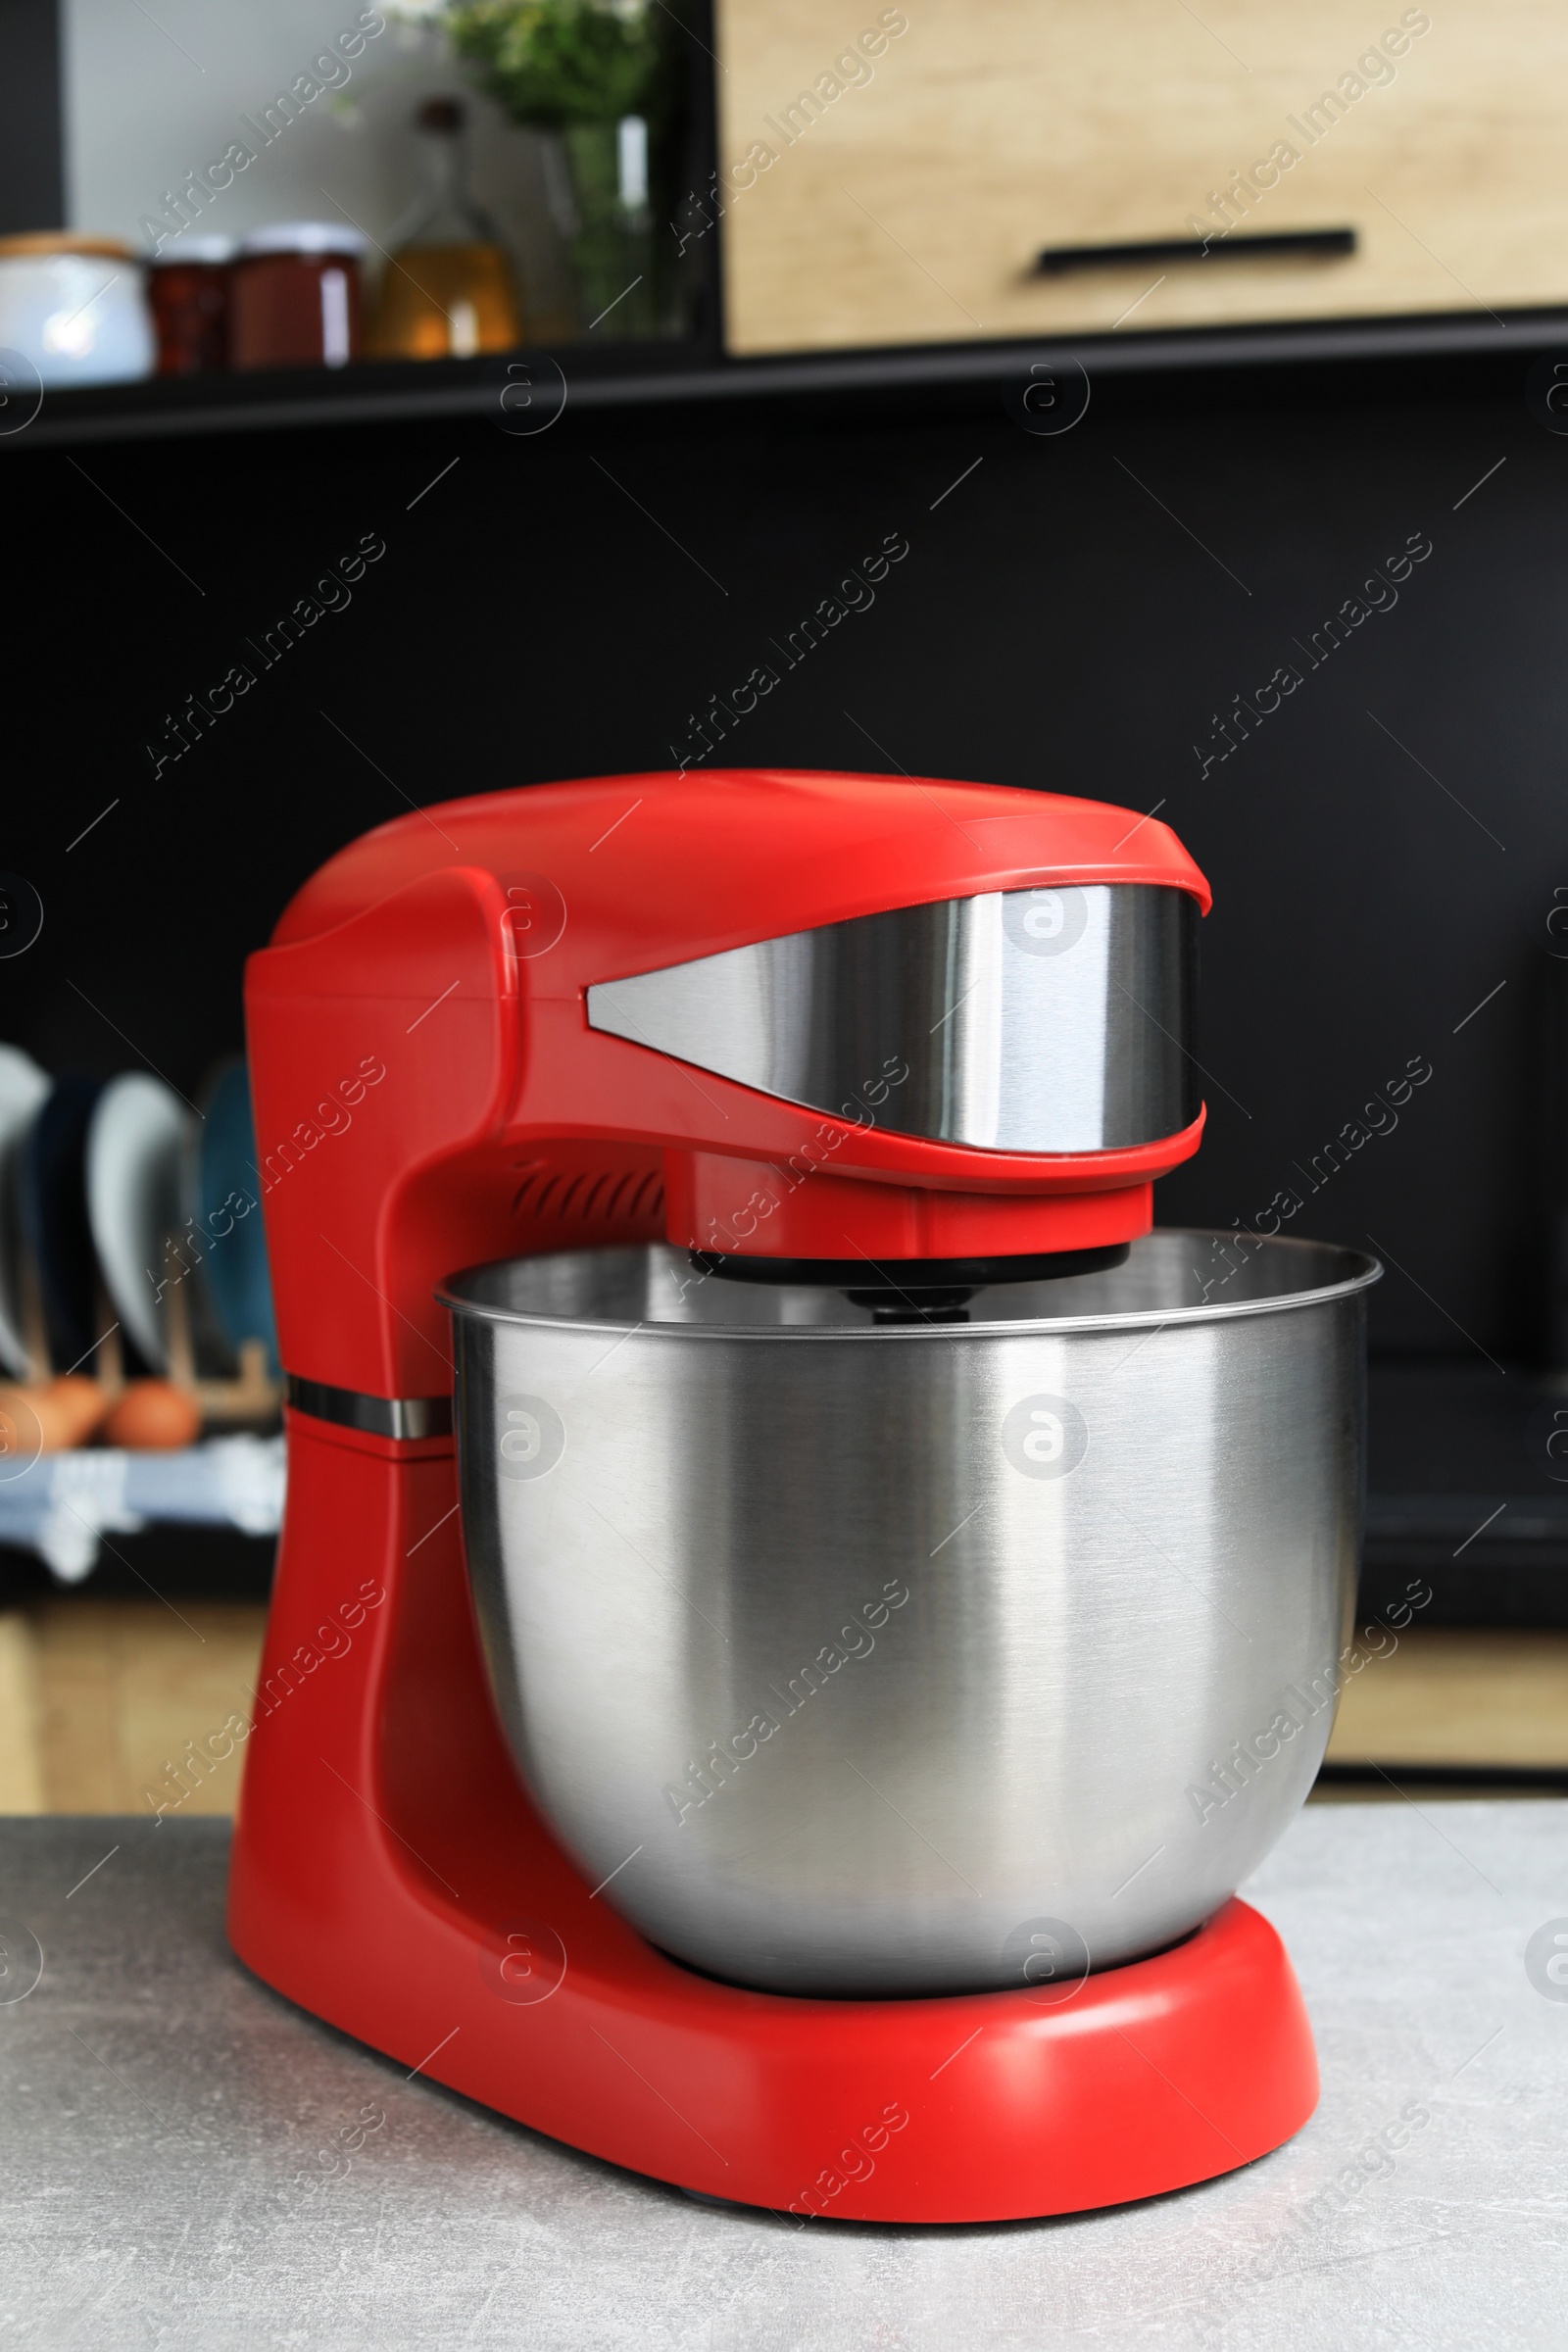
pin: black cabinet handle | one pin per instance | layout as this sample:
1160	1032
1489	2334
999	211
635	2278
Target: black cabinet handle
1058	260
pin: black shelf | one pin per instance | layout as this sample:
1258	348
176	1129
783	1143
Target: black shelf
159	1565
1483	354
1446	1779
1463	1492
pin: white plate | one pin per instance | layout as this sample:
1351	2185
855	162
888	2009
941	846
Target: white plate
23	1088
134	1142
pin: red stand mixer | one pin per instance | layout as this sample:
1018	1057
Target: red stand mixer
801	1130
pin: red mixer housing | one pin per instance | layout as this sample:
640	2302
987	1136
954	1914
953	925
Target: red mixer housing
428	1094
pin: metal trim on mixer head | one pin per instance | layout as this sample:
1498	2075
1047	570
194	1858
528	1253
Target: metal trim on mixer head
1053	1019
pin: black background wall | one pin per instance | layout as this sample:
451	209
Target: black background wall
1384	850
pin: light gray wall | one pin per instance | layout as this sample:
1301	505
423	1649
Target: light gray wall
155	91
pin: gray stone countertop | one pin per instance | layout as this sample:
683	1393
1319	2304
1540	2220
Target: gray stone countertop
160	2113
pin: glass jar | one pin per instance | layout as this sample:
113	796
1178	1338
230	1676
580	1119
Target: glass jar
294	300
189	293
597	177
76	306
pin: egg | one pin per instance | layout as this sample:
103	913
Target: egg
153	1416
21	1428
49	1416
76	1405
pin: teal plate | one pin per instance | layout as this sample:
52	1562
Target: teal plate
228	1212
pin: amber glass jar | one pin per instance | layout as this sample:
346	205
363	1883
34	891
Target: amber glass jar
295	297
189	294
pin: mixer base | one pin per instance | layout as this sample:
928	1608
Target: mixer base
972	2108
390	1875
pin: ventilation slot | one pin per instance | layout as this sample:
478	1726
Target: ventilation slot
547	1195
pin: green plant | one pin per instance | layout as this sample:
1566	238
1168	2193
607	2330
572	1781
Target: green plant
555	63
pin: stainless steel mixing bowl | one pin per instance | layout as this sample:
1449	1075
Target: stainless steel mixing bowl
895	1659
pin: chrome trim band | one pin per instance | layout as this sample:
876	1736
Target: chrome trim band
377	1416
1024	1020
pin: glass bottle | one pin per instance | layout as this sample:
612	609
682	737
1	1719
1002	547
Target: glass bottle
448	290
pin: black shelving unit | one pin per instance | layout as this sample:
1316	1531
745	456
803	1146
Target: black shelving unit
1355	358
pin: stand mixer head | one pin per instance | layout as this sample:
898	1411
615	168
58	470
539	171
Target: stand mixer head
800	1132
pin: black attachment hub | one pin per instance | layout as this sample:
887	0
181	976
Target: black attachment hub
910	1289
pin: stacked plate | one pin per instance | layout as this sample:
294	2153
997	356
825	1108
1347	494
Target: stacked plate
114	1197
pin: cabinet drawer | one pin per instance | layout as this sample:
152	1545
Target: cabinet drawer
888	185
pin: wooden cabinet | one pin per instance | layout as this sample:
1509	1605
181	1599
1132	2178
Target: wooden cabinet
889	174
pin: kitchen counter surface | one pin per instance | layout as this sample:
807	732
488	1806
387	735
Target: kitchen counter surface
162	2113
